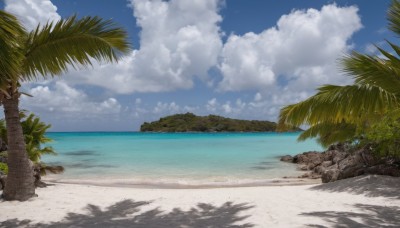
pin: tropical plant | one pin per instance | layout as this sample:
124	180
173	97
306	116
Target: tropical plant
34	133
346	113
47	51
384	136
3	168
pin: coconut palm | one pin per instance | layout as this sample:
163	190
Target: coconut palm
340	113
47	51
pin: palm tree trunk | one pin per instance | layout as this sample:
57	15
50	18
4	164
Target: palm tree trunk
20	182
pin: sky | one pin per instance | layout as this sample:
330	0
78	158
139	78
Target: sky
242	59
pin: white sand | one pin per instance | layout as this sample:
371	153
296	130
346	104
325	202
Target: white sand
367	201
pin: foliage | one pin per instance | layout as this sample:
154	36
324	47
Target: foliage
34	133
10	48
55	46
3	154
384	136
4	168
348	113
191	123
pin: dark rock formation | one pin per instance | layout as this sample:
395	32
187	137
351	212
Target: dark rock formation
339	162
2	181
38	179
287	158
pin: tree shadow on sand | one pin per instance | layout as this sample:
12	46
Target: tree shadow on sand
371	216
371	186
127	213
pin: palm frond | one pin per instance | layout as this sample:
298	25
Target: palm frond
372	70
11	33
330	133
55	46
334	104
393	16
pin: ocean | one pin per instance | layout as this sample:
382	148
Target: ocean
166	159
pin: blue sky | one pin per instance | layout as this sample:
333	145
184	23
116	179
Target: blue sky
235	58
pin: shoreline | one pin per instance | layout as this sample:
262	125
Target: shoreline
129	183
365	201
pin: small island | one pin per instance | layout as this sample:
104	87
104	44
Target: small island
191	123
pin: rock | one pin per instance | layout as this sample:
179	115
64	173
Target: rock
340	162
287	158
38	179
341	147
326	163
330	175
310	159
390	170
310	175
319	169
2	181
303	167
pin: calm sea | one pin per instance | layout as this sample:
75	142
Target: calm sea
175	158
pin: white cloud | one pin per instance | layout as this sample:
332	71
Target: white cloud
227	107
257	97
33	12
166	108
179	40
212	105
302	50
62	99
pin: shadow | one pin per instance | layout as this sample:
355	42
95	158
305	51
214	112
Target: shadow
81	153
127	213
264	165
370	185
371	216
87	166
261	167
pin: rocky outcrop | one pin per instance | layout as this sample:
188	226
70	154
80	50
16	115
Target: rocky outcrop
2	181
287	158
339	162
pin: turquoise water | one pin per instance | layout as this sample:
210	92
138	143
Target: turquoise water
183	158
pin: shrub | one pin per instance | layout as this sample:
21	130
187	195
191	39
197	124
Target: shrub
4	168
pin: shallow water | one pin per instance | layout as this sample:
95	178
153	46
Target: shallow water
175	158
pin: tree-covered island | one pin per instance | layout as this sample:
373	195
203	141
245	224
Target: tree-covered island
191	123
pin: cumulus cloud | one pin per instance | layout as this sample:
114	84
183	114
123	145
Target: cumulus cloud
302	51
33	12
61	99
179	40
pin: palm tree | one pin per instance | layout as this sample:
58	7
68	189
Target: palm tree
45	52
340	113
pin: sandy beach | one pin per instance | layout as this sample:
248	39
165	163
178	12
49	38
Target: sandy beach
366	201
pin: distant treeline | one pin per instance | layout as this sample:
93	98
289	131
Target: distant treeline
191	123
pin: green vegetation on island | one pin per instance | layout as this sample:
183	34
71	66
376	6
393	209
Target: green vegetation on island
191	123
